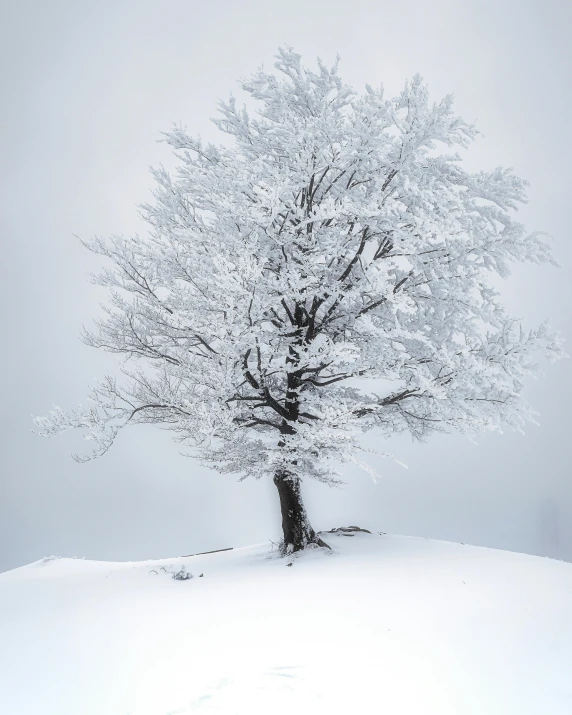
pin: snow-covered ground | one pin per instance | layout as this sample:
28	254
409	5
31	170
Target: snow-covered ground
383	624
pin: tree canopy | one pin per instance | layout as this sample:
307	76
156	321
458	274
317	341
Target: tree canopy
325	274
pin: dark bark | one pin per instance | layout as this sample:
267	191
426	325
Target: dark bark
296	527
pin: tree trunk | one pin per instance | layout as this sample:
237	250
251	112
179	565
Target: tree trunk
297	530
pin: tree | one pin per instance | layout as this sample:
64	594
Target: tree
332	243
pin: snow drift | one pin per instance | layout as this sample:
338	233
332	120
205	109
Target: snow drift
382	624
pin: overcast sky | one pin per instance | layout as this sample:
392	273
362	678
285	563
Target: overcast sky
86	89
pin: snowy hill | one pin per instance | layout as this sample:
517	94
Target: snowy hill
382	624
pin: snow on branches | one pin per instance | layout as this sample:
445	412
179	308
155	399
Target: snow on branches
334	240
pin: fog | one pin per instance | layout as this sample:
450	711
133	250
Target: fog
87	89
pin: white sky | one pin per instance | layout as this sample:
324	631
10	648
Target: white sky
87	88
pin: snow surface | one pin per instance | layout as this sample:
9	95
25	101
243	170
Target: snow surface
383	624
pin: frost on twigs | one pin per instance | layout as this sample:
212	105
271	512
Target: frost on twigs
181	574
177	573
337	245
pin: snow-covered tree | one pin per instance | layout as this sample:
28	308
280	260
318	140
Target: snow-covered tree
334	242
